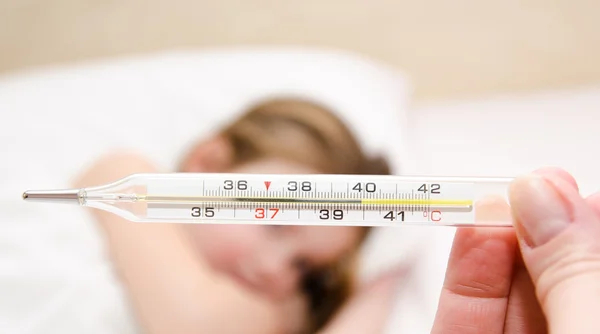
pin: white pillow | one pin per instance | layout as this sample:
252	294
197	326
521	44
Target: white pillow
498	136
509	135
56	119
160	102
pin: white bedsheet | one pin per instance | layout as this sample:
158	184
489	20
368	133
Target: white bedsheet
54	275
497	136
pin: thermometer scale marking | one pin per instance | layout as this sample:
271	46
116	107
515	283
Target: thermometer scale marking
304	199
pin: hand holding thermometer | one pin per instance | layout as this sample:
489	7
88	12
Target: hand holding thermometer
359	200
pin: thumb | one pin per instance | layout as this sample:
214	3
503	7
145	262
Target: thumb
559	235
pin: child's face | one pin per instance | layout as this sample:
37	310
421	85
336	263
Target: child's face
272	259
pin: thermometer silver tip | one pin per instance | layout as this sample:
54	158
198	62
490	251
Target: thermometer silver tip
70	195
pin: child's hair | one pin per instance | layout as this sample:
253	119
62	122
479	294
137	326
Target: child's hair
310	134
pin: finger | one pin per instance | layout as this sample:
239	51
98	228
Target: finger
524	314
554	172
559	234
594	202
477	284
493	208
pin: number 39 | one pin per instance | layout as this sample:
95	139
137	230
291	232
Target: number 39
337	214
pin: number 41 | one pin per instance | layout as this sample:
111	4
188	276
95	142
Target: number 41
393	216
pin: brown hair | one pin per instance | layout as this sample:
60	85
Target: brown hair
308	133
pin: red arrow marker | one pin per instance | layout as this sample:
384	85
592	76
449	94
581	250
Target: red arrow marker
267	184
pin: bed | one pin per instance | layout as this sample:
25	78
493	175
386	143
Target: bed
55	276
54	273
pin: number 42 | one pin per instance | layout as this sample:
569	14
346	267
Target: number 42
433	188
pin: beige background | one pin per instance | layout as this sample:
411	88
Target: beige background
451	49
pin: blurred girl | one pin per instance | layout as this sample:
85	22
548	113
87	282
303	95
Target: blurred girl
236	278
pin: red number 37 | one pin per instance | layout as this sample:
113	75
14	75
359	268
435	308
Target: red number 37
261	213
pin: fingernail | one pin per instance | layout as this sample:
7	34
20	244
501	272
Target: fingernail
539	209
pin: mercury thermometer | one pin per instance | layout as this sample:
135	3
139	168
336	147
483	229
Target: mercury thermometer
313	199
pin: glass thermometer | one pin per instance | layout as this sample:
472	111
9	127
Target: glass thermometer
307	199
